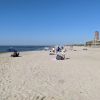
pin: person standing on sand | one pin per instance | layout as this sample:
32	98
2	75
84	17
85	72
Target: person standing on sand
58	49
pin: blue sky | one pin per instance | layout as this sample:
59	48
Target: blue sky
43	22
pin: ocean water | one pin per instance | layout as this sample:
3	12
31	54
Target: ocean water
21	48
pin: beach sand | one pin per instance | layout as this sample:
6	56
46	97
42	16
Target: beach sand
36	75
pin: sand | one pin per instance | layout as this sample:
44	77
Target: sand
36	75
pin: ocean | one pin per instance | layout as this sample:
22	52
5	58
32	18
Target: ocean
21	48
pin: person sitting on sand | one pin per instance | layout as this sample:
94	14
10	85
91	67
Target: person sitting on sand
15	54
60	56
52	51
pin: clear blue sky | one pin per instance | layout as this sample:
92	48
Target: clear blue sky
43	22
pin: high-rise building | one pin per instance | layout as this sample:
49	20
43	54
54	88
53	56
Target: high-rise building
96	35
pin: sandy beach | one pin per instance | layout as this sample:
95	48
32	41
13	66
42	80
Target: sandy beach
36	75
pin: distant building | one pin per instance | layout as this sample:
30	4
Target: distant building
96	36
95	42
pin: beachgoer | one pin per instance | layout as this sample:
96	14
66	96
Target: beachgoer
58	49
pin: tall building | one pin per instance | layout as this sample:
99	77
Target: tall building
95	42
96	35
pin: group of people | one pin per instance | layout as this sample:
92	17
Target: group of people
59	51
